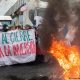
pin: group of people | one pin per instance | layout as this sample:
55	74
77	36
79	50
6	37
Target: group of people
39	52
6	28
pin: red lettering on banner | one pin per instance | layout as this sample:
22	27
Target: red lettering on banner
26	47
1	53
16	49
21	49
30	47
5	49
33	47
9	52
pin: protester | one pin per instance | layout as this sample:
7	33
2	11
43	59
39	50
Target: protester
27	27
5	29
39	51
38	20
18	27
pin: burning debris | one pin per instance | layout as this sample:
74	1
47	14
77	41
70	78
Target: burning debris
68	57
62	14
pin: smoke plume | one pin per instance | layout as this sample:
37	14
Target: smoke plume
58	14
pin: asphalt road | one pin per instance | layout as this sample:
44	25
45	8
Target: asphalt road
26	71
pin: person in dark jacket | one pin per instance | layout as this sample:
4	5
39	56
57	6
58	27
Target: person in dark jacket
5	28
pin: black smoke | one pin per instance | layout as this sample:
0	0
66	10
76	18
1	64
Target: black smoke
58	14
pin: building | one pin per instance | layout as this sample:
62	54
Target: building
23	11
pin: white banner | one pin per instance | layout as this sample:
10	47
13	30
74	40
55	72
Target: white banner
17	46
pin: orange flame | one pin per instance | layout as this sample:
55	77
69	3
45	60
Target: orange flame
68	58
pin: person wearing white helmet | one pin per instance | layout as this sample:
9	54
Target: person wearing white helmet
38	20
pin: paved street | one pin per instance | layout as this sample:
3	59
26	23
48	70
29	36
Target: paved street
26	71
